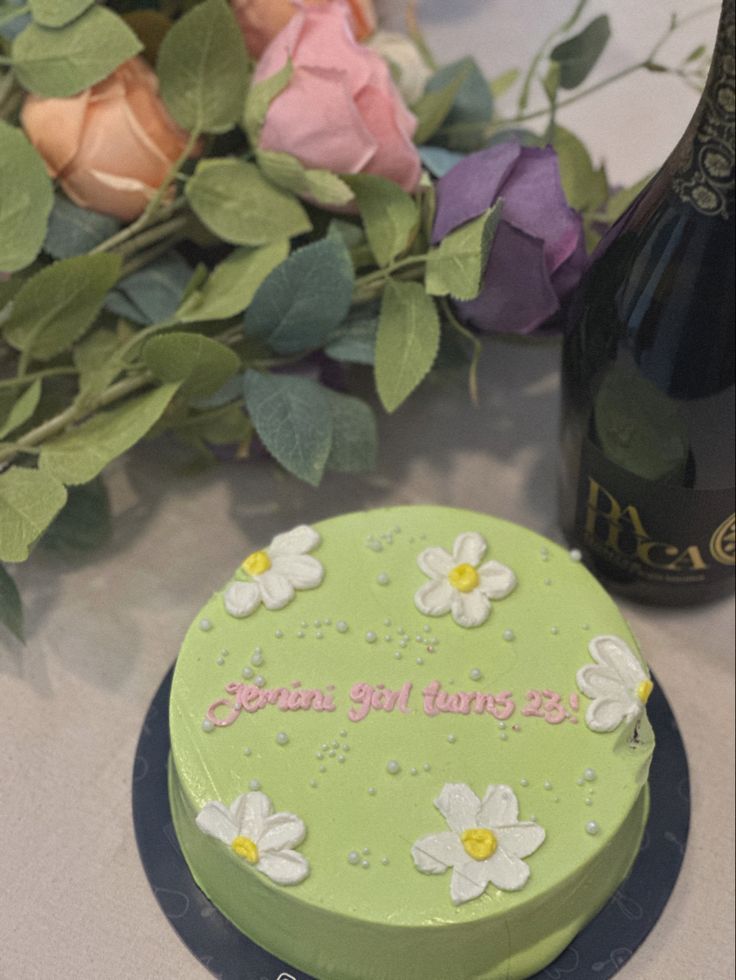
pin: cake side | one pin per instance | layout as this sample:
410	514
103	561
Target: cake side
412	702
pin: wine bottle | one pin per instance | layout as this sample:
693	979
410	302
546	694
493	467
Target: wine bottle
647	427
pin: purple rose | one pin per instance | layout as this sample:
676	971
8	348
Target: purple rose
538	254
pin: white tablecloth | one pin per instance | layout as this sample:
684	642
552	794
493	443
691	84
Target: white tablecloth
102	632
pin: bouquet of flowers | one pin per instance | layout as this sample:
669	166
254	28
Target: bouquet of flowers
209	211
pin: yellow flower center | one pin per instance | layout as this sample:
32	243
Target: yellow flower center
643	690
479	843
464	578
245	848
257	563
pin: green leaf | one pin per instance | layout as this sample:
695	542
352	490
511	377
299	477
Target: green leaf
304	299
354	435
57	13
434	107
84	523
355	341
29	501
293	419
233	283
201	364
390	215
95	359
501	84
464	126
22	410
260	97
11	607
240	206
320	186
154	293
80	454
585	187
407	342
73	230
458	265
578	55
58	304
26	198
551	82
203	69
57	63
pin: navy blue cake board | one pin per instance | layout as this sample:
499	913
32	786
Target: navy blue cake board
599	951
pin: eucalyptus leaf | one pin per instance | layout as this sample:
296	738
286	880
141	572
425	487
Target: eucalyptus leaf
73	230
154	293
201	364
463	127
26	198
233	283
304	299
390	215
355	341
501	84
203	69
320	186
60	62
407	342
11	607
29	501
22	410
85	521
233	200
81	453
57	13
434	107
293	419
354	434
57	305
577	56
457	266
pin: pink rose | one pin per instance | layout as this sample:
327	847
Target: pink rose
341	110
261	20
112	145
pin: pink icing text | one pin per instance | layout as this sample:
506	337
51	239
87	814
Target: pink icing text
251	698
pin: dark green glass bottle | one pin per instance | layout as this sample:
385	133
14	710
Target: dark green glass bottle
647	431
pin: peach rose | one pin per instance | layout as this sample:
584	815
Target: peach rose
341	110
112	145
261	20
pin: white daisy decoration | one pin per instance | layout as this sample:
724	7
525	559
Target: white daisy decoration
260	837
617	683
460	584
484	845
275	573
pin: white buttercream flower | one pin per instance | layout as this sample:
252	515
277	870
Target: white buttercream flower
485	843
259	836
276	572
617	682
460	584
410	70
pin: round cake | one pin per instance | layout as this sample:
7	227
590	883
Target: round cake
410	744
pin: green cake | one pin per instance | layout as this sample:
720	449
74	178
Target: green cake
410	744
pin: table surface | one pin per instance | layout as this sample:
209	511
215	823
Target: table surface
103	631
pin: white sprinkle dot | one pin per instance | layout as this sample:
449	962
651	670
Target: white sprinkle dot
590	775
452	739
592	828
508	635
576	554
205	625
393	767
341	626
207	725
254	784
282	738
353	857
370	637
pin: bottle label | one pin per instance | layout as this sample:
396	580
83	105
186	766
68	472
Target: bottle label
649	531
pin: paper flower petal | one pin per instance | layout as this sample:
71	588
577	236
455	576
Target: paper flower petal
459	805
215	819
242	598
284	867
469	549
470	609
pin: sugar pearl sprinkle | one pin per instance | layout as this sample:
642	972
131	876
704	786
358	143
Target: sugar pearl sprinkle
207	725
205	625
393	767
282	738
592	828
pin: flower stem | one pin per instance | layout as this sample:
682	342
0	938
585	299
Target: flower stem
28	378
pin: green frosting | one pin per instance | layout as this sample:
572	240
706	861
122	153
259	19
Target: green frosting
365	789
